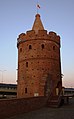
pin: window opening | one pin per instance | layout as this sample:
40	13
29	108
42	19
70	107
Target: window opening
42	46
20	49
53	47
26	64
25	90
30	47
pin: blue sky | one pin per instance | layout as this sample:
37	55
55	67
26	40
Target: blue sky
17	16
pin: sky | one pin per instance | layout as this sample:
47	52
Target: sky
17	16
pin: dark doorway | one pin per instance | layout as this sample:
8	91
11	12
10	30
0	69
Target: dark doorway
48	85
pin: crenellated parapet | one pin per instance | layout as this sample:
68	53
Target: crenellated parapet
53	36
42	34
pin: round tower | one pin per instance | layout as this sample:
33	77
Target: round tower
39	66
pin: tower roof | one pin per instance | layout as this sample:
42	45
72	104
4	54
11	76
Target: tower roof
37	24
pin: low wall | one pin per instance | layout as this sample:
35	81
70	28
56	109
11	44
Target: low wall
11	107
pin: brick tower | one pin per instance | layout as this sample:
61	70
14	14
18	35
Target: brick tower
39	66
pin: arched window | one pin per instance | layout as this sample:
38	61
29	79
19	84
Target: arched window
30	47
42	46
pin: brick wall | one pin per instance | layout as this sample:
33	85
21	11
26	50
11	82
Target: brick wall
38	56
11	107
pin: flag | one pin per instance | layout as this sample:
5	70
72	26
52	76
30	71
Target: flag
38	6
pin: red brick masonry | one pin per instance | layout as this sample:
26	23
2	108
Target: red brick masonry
11	107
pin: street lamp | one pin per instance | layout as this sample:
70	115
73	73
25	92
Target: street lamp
2	74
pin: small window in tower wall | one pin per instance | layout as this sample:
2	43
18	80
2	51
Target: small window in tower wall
53	47
42	46
20	49
25	90
26	64
30	47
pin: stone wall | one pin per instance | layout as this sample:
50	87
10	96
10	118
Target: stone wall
12	107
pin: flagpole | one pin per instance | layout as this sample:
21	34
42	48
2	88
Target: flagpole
37	7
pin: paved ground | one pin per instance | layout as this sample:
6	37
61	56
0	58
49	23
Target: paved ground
65	112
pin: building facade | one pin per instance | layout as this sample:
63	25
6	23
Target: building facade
39	64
